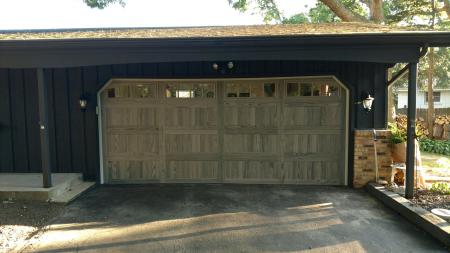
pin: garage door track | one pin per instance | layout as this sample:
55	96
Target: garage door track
230	218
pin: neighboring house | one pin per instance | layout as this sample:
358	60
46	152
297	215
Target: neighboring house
278	104
441	98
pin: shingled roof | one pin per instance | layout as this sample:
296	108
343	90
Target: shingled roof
205	32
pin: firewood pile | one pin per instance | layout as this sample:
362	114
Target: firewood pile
441	127
421	126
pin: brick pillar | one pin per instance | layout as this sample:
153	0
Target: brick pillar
364	159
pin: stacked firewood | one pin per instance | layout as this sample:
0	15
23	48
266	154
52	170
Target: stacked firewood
421	127
441	127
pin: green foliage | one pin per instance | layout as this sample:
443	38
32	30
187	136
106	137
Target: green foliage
268	9
398	134
435	146
101	4
442	188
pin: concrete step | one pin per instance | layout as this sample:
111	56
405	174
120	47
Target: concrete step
66	186
73	192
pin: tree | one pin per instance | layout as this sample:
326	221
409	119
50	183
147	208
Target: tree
101	4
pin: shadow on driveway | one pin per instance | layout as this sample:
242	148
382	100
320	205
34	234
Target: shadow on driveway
230	218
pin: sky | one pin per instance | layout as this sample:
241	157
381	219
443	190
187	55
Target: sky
49	14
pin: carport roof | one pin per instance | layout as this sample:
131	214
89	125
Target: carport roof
324	42
204	32
345	29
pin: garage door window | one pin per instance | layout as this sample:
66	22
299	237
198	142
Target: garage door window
190	90
250	89
132	91
297	89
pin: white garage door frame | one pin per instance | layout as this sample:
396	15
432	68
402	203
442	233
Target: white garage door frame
140	80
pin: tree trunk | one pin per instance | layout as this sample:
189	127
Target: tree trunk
342	12
376	11
430	111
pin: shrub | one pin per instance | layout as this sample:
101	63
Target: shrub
442	188
399	132
435	146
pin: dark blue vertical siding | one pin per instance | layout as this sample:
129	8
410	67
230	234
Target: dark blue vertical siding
74	132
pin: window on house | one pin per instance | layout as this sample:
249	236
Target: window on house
190	90
436	97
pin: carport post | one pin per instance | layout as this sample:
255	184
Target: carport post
43	127
411	131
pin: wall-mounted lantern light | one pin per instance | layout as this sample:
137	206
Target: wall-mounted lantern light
83	102
367	102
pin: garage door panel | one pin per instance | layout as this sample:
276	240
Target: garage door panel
133	144
131	117
318	172
192	170
252	171
253	143
245	114
126	170
190	117
332	115
311	143
302	116
246	131
191	143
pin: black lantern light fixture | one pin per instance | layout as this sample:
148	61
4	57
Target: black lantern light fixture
83	102
367	102
223	67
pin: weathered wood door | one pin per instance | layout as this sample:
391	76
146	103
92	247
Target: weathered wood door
233	131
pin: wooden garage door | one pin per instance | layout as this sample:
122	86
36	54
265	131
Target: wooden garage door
234	131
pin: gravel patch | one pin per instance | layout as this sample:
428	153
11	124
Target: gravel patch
21	220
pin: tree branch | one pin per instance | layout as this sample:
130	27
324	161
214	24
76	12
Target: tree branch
342	12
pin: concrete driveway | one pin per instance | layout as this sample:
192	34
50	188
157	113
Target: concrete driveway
230	218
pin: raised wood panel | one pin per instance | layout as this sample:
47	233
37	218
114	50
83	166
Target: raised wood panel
311	172
190	117
125	170
311	143
132	144
131	117
191	143
192	170
239	171
262	115
302	116
254	143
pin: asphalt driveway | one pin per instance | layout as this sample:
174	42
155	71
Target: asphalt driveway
230	218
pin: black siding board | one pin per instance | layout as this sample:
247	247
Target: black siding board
119	70
149	69
19	121
104	74
133	70
77	133
62	121
92	153
380	92
52	119
165	70
6	142
32	119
